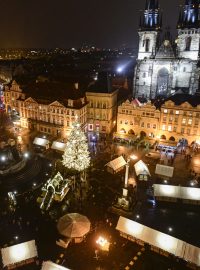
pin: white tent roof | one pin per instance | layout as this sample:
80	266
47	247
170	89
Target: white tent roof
192	254
52	266
166	191
116	163
161	240
186	193
164	170
153	237
141	168
58	146
40	141
18	253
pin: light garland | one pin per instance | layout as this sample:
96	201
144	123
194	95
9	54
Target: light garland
76	155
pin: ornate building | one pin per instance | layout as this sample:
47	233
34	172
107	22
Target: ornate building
165	66
176	118
47	107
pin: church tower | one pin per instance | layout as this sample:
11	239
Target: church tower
150	25
189	30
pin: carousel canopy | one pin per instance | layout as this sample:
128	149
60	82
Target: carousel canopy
52	266
73	225
18	253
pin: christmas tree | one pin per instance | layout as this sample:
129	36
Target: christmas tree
76	155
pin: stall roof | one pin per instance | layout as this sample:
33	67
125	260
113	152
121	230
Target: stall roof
141	168
116	163
164	170
19	253
40	141
52	266
58	146
151	236
161	240
185	193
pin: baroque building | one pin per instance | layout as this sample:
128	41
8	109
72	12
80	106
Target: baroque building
47	107
176	118
165	65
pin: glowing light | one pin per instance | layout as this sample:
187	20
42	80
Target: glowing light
134	228
103	243
166	242
26	155
133	157
3	158
120	69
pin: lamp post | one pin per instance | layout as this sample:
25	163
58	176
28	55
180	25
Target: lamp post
132	157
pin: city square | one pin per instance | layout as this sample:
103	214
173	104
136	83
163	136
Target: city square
100	145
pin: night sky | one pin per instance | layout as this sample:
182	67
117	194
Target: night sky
72	23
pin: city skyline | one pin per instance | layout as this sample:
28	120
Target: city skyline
66	24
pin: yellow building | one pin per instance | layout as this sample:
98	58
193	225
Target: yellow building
177	118
180	118
102	109
137	119
47	107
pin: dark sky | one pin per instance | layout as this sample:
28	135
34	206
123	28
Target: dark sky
70	23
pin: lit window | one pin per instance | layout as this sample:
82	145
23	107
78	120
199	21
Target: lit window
165	110
142	125
175	129
184	121
148	125
154	126
169	128
163	127
177	112
190	122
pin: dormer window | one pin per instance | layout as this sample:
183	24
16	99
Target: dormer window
70	103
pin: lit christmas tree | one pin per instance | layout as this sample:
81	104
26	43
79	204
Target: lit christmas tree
76	155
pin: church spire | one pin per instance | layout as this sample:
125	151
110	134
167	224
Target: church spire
189	15
151	17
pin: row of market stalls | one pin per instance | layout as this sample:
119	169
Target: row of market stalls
44	143
159	242
175	193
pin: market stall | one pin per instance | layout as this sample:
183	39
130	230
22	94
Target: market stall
116	165
18	255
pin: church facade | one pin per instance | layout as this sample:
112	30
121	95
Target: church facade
165	66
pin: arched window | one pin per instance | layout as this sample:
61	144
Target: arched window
163	137
172	139
147	45
188	43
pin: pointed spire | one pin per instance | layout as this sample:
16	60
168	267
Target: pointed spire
151	16
189	16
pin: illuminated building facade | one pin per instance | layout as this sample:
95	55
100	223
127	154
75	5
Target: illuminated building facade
177	118
102	107
40	108
165	66
138	119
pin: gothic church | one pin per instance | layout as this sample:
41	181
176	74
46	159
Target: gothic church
165	66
